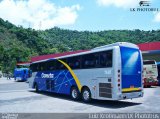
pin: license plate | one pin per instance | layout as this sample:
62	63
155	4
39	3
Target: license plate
131	86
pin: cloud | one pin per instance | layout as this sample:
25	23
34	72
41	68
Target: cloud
157	17
119	3
38	14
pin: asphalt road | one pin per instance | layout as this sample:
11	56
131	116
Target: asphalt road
17	97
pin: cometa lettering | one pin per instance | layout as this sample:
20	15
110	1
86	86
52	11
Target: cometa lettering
47	75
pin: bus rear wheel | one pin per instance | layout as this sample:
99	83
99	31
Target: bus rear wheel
75	93
86	95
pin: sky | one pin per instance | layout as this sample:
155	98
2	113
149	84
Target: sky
81	15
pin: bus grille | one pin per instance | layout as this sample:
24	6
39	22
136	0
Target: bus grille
105	90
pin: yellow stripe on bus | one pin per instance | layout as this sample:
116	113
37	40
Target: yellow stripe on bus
130	89
73	74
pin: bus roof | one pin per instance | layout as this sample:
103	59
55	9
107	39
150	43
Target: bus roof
43	58
23	64
118	44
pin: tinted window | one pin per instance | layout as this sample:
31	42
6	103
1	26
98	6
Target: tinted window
93	60
74	62
34	67
106	59
97	60
50	65
42	66
59	65
88	61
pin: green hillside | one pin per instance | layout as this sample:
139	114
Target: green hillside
19	44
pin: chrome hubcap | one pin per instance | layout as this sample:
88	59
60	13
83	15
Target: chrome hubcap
86	95
74	93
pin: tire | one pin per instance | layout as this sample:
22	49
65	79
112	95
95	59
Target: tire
86	95
75	93
36	87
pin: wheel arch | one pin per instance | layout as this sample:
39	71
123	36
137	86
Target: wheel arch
83	87
82	92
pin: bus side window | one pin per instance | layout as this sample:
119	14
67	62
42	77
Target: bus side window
33	67
74	62
62	66
106	59
88	61
50	65
38	67
42	66
59	65
109	59
97	58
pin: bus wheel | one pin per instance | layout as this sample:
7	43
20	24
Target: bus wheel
86	95
75	93
36	87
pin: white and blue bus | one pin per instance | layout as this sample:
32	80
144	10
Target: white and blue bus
110	72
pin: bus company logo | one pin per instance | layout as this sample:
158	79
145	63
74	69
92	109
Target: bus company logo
47	75
144	6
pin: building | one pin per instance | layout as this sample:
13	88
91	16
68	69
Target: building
150	51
